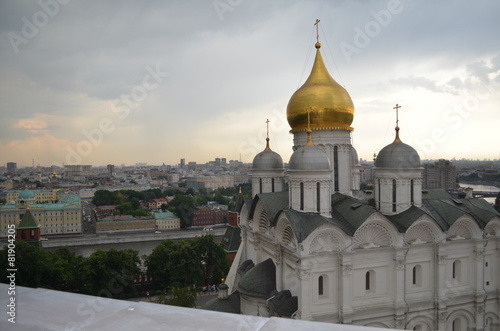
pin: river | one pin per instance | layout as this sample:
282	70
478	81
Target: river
483	188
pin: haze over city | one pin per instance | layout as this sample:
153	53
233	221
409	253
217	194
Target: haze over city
100	82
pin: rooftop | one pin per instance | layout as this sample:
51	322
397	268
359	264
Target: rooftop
35	309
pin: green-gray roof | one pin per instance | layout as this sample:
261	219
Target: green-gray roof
446	211
349	213
232	238
303	223
231	305
165	214
284	303
404	220
273	203
28	221
260	281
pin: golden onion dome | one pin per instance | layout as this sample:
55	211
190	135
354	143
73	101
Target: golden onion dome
329	105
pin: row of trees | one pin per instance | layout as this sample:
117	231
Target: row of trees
180	267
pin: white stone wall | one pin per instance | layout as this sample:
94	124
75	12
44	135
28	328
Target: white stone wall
326	140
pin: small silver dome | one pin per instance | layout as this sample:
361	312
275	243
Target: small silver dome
354	156
309	157
266	160
398	155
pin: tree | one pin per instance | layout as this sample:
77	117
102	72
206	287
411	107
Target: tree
184	208
158	267
174	264
212	258
180	296
109	273
104	197
163	207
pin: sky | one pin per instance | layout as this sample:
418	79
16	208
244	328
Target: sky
123	82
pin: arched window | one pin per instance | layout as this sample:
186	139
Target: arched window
260	185
457	324
318	197
417	327
456	270
336	168
417	275
301	196
394	195
320	285
370	281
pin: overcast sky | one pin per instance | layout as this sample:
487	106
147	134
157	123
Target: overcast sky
98	82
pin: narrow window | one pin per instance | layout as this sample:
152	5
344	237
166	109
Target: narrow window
318	195
272	185
394	195
456	270
378	194
301	196
260	185
370	281
320	285
457	325
411	192
336	167
417	275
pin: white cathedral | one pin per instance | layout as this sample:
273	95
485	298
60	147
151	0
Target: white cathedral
323	250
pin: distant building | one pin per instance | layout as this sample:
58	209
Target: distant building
209	182
366	172
63	217
77	173
167	221
40	196
124	222
441	174
111	169
208	216
156	203
11	167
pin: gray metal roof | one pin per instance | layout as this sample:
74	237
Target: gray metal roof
398	155
267	160
309	157
260	281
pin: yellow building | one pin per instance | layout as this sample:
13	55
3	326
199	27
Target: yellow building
167	221
41	196
64	217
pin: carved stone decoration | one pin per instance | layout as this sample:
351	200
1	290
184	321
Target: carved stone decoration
372	235
478	255
325	242
480	309
442	316
460	230
347	269
304	274
419	234
442	259
277	256
399	264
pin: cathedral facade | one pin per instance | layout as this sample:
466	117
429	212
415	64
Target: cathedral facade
400	257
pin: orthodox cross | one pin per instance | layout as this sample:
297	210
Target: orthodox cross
317	33
267	137
397	108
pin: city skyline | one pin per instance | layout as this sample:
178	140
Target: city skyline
93	83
